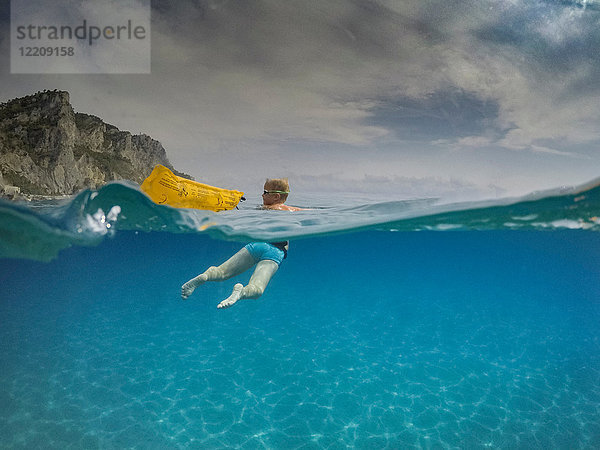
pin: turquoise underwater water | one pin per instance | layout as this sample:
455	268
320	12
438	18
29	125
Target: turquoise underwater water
371	338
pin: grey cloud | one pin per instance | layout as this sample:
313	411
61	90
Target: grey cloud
271	78
344	54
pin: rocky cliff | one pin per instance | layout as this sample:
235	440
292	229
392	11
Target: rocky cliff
48	149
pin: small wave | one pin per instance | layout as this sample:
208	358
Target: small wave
39	230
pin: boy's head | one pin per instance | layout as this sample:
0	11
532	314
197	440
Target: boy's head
276	190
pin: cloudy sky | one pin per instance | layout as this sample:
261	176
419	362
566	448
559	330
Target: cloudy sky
406	98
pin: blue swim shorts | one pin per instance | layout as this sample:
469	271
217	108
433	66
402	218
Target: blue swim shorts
263	250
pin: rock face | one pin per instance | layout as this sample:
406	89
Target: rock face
48	149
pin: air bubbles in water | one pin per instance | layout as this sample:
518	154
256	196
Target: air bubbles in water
99	222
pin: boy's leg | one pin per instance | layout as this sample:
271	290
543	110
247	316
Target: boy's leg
238	263
263	273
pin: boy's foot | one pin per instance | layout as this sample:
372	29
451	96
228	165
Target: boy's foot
190	286
234	297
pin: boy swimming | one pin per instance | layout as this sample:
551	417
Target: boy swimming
266	256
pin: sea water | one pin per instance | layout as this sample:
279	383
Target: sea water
408	324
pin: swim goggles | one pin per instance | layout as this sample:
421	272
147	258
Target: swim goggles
275	192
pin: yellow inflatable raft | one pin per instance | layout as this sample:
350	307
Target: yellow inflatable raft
164	187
